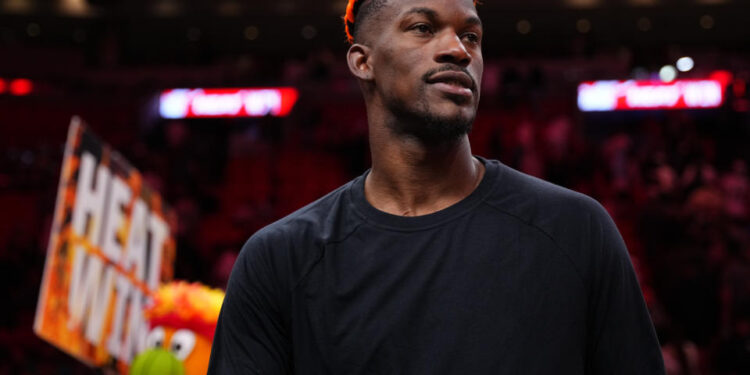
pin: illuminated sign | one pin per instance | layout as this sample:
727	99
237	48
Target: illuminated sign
233	102
17	87
644	95
111	246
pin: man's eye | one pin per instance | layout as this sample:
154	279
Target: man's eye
471	38
422	28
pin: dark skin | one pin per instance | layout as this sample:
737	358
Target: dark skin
419	63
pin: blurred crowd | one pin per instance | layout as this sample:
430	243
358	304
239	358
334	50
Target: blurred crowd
676	183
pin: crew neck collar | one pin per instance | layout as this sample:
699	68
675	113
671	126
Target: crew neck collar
411	223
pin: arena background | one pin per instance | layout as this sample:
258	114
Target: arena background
675	181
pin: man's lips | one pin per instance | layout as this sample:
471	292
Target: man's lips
453	82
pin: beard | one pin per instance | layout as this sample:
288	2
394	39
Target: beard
418	121
426	126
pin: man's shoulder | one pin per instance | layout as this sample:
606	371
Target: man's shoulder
289	247
320	221
575	223
540	202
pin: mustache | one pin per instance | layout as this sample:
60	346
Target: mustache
447	68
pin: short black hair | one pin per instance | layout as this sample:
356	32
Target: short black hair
363	10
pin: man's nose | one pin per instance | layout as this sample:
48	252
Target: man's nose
452	50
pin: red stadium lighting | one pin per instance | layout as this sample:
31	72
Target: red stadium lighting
2	86
227	102
21	86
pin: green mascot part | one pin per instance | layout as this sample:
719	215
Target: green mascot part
156	361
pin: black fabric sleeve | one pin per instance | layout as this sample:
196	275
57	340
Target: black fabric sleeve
250	336
621	336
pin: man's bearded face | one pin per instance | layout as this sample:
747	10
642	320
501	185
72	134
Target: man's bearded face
427	66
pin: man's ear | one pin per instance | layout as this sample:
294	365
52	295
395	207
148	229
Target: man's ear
358	58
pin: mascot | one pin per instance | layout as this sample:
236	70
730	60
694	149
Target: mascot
182	319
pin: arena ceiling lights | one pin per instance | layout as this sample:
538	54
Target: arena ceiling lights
227	102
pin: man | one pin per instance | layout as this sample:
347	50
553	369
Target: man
434	261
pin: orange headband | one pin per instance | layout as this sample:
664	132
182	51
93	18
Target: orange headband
349	17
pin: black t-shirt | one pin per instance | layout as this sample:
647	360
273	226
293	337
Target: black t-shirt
520	277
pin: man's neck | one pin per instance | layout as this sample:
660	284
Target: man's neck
409	178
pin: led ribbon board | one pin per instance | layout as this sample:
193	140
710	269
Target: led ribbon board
646	95
227	102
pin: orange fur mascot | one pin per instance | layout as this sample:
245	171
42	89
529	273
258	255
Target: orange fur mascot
182	321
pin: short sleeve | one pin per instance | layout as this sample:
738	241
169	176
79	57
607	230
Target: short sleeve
621	336
251	337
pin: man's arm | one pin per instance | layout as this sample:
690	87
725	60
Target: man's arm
251	337
621	336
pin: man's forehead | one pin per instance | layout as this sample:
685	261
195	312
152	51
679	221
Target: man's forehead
405	5
396	9
433	9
